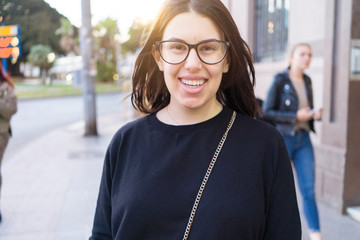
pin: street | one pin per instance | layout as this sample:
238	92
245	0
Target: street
38	116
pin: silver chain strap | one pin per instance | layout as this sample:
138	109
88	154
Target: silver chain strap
206	177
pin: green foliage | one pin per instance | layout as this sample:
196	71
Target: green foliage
105	32
135	32
38	22
34	91
66	28
107	27
105	71
69	41
38	56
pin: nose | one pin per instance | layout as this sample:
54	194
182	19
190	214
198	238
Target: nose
193	62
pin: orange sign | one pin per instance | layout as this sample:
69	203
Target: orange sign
11	30
5	42
9	41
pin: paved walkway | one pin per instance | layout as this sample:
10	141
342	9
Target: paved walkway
51	185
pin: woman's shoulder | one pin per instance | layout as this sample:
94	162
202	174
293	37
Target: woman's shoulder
281	76
260	139
132	126
128	132
256	129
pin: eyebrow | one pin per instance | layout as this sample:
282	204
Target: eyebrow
183	41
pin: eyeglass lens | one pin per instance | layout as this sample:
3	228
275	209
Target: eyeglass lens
209	52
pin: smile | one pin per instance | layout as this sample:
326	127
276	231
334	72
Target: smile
192	83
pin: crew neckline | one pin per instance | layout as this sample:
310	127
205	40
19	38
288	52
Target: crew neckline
217	119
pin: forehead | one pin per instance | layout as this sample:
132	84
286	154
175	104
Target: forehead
191	27
302	49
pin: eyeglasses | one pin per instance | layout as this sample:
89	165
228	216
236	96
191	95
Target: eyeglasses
176	51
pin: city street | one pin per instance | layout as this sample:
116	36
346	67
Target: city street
38	116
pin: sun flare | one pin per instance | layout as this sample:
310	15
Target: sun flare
148	9
125	11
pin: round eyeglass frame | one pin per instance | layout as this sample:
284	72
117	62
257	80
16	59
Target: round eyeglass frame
191	46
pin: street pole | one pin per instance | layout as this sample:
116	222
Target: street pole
88	70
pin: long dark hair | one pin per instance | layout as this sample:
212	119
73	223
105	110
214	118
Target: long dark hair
236	90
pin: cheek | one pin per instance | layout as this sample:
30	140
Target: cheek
169	70
217	72
170	73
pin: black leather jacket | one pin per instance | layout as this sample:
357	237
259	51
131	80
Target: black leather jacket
282	103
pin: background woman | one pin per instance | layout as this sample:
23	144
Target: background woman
289	104
194	78
8	107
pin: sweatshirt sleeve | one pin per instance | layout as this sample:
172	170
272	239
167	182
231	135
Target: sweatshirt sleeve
282	216
102	220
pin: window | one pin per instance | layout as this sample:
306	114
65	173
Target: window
271	35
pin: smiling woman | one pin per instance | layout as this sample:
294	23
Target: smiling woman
197	165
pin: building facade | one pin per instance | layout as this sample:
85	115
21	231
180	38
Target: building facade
332	28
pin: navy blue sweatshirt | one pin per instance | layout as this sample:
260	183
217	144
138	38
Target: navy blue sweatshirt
153	171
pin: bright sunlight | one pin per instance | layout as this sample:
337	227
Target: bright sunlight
125	11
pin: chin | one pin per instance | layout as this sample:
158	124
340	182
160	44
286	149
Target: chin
193	104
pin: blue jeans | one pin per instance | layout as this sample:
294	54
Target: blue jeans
302	155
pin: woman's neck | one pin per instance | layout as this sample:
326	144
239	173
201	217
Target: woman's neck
296	73
179	115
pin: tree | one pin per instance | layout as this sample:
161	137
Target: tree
7	8
38	23
68	41
135	32
104	33
42	56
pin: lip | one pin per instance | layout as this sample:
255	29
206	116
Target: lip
192	77
192	84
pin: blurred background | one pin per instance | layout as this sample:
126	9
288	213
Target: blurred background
71	102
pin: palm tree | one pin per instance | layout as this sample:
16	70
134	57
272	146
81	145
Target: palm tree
104	33
42	56
68	42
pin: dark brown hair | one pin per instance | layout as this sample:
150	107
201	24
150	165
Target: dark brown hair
236	90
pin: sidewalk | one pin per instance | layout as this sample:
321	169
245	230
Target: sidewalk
333	225
51	186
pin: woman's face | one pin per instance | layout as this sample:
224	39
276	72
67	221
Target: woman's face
301	57
192	83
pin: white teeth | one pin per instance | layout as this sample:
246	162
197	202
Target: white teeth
192	83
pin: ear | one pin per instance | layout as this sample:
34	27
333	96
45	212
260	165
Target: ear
226	64
157	58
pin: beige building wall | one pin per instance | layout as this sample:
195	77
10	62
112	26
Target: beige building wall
306	24
313	22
